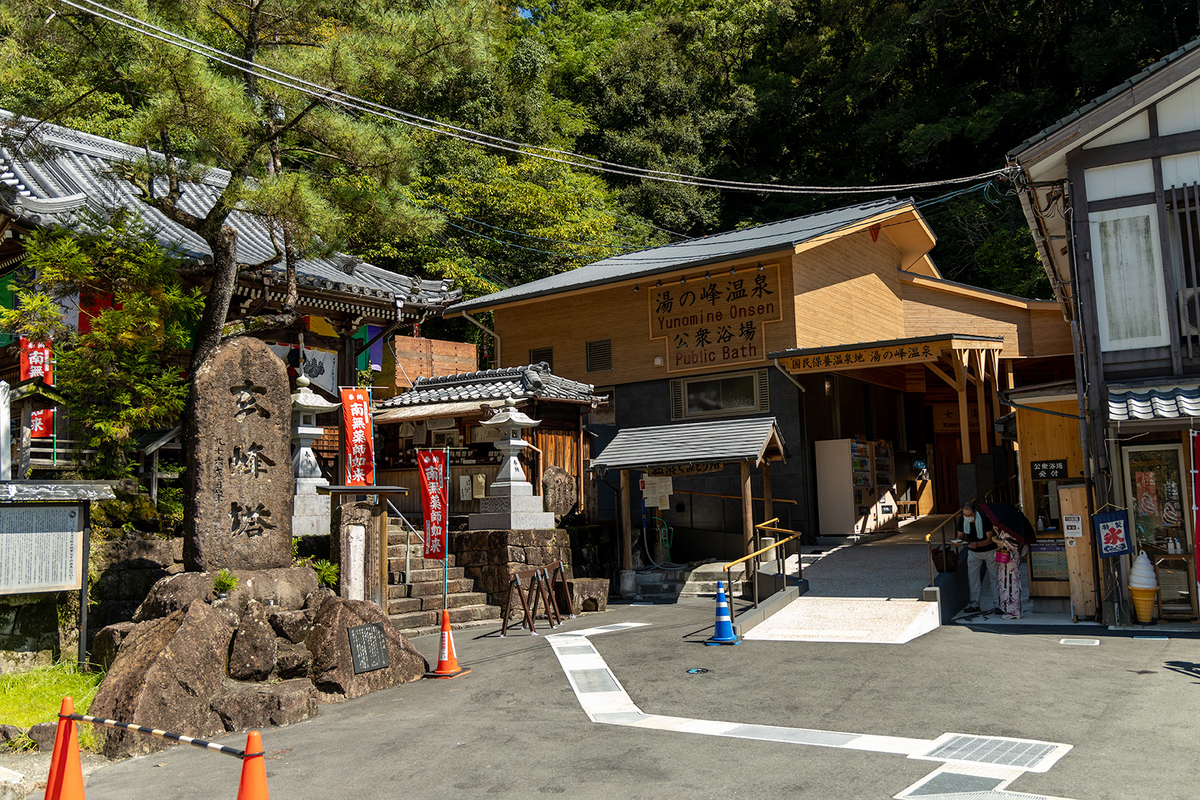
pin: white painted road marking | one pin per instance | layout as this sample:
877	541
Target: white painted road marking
983	765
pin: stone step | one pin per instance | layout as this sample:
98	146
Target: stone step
659	589
428	588
396	564
695	588
662	576
408	605
424	575
419	623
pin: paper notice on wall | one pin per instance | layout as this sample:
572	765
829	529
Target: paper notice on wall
657	491
464	488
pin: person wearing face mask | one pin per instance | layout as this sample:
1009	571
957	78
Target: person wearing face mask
975	531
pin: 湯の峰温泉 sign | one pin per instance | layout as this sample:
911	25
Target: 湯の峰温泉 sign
716	321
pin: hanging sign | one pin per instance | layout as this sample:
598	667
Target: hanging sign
435	501
1112	532
715	321
37	361
358	443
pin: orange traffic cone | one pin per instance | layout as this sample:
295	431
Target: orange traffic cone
254	770
447	666
66	773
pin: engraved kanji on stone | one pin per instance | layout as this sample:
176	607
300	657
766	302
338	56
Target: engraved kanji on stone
246	396
247	521
249	461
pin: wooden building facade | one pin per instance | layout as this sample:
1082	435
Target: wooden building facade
1111	195
837	324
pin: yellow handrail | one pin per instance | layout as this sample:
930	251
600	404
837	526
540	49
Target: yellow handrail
733	564
735	496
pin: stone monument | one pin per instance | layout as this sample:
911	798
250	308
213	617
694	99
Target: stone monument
240	492
310	514
510	503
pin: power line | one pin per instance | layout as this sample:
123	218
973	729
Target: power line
572	159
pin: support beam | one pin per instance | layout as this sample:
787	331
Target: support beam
994	356
626	524
748	518
964	427
26	439
981	400
768	499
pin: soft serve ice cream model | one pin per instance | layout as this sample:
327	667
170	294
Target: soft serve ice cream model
1143	587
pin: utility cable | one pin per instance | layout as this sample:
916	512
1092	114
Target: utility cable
352	102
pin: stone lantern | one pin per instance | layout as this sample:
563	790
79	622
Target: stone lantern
510	503
310	516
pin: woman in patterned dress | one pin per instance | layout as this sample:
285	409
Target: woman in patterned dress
1008	573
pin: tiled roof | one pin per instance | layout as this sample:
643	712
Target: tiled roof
73	170
1153	402
1104	98
719	441
535	380
745	242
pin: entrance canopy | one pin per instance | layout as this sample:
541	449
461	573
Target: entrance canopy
959	359
692	447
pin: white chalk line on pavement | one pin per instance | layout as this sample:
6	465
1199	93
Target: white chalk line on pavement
983	765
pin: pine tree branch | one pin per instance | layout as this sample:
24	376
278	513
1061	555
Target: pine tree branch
265	322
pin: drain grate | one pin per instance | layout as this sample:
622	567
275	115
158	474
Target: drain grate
1020	753
1081	642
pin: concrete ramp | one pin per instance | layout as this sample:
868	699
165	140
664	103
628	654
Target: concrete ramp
847	619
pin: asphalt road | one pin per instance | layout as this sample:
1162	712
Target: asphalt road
514	729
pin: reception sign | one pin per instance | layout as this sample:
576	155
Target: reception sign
716	321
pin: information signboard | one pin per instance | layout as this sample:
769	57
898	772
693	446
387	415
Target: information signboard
1049	560
368	647
41	548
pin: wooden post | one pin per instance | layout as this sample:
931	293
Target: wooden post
981	401
768	499
154	477
626	524
994	356
1080	552
748	517
964	426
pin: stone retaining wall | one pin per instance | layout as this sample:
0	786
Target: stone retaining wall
491	557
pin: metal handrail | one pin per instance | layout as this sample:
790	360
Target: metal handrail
735	496
691	522
780	554
407	539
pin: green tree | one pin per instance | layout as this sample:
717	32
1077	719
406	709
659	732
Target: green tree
123	375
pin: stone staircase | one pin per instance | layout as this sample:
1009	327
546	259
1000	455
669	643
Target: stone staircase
414	603
702	582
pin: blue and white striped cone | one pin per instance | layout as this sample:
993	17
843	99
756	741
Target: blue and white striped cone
723	633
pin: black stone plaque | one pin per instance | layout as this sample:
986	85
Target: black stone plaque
368	647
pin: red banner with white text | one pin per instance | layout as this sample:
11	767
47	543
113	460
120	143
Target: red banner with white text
358	440
431	464
37	361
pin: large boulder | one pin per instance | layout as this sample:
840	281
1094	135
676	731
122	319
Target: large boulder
252	655
329	643
287	589
240	497
107	642
164	676
244	708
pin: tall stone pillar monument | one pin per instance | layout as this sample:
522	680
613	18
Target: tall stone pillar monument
240	492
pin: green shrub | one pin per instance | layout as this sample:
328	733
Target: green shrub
327	572
225	581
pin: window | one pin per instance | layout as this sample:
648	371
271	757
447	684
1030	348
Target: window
599	356
1130	292
727	395
541	354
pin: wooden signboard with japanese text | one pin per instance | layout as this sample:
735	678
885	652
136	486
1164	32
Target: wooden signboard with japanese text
860	357
716	322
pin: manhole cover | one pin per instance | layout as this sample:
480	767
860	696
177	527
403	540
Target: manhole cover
697	671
